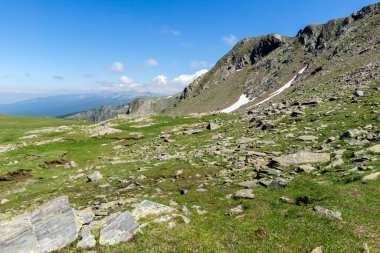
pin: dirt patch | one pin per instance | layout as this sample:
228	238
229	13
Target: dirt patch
19	175
52	164
352	192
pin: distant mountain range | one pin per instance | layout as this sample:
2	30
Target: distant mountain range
56	106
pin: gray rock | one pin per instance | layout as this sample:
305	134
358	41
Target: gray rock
119	229
55	224
305	168
212	126
245	194
248	184
51	227
317	250
3	201
303	157
375	149
94	176
86	215
236	210
372	176
352	133
17	235
359	93
328	213
297	114
307	138
88	239
146	208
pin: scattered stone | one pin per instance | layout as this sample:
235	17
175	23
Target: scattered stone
162	219
287	200
3	201
297	114
352	133
51	227
94	176
88	239
375	149
86	215
171	224
236	210
119	229
305	168
358	93
366	248
146	208
212	126
372	176
317	250
307	138
303	157
245	194
328	213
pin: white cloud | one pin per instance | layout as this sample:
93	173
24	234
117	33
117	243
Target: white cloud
151	62
159	84
230	39
167	30
117	67
128	82
184	80
198	64
160	79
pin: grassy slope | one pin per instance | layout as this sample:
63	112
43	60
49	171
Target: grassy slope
267	224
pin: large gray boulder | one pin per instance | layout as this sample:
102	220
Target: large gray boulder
51	227
120	229
149	208
17	235
303	157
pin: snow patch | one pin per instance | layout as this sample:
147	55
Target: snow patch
287	85
243	99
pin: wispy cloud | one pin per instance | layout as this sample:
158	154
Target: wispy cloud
151	62
198	64
170	31
159	84
230	39
58	77
117	67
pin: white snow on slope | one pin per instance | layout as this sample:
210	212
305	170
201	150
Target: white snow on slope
287	85
243	99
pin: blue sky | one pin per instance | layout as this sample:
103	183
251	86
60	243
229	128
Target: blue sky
51	47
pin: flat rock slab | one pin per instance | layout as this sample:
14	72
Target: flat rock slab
147	208
120	229
301	158
375	149
328	213
51	227
372	176
17	235
307	138
245	194
88	239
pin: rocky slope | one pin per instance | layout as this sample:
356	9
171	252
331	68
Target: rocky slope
138	107
259	66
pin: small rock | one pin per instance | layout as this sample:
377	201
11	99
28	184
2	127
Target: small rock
326	212
246	194
119	229
359	93
146	208
171	224
88	239
94	176
305	168
307	138
236	210
287	200
317	250
372	176
212	126
3	201
375	149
